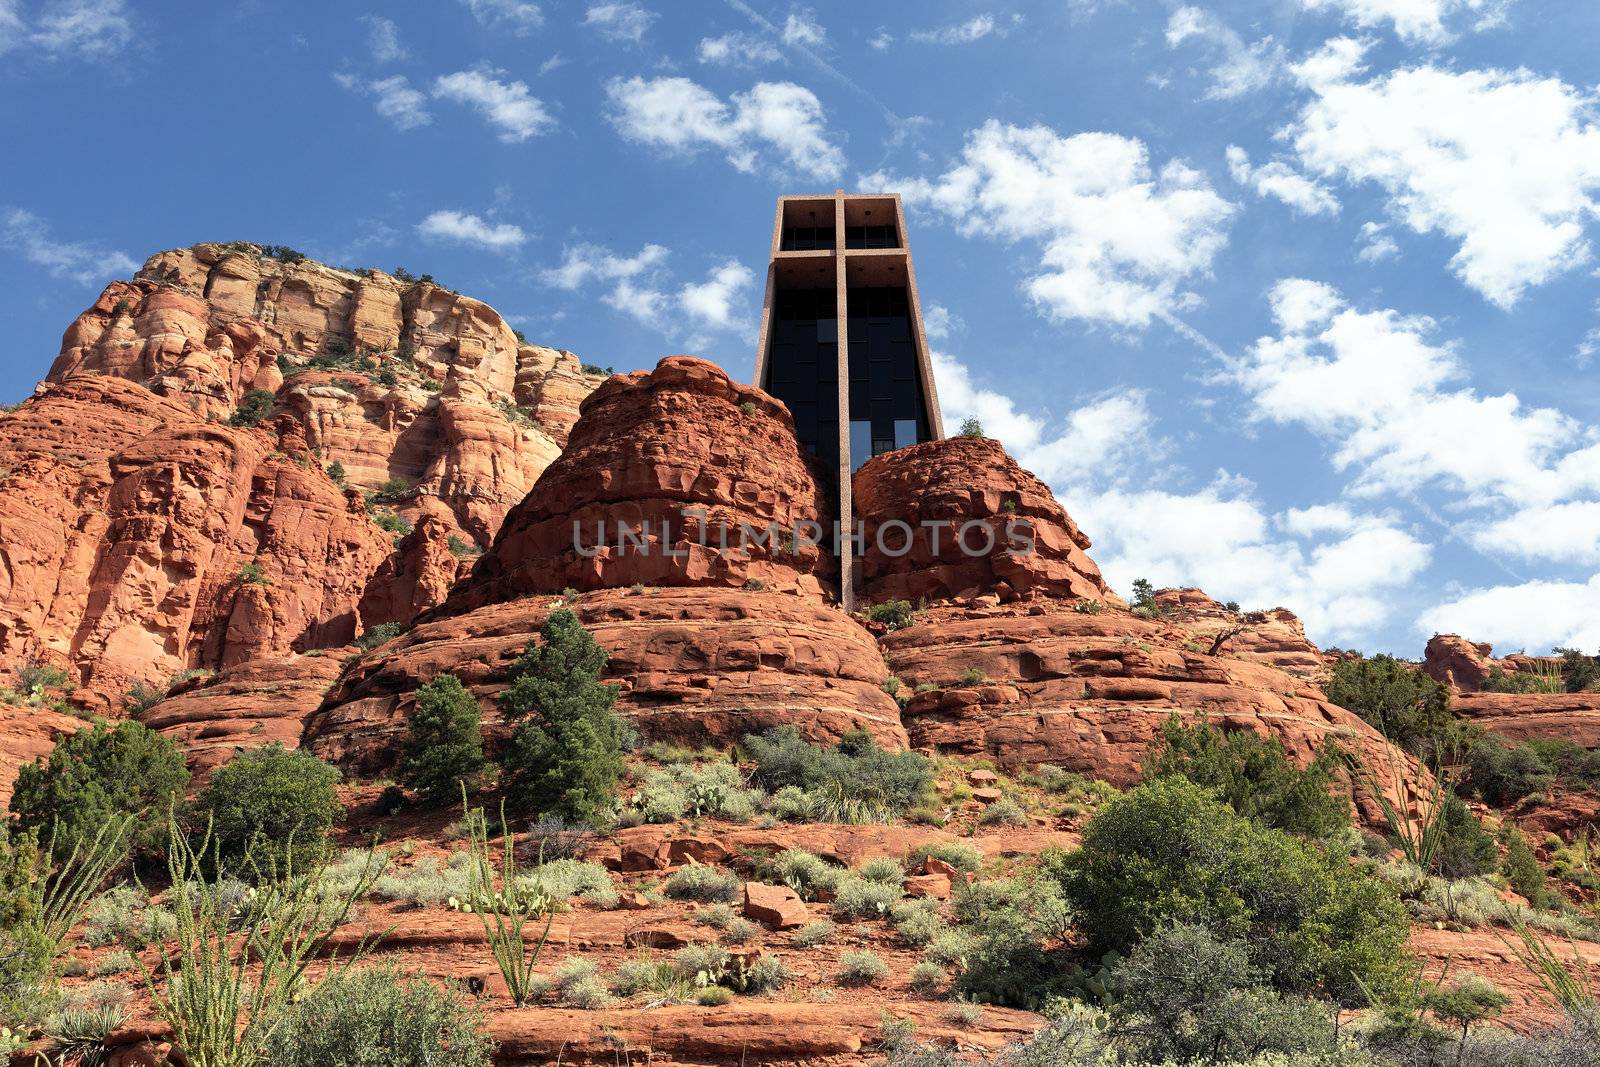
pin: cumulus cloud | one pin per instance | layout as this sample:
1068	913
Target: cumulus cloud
1282	182
678	115
974	29
512	16
1505	163
939	322
29	235
1536	615
1336	567
641	287
738	50
462	228
620	21
508	106
383	39
1416	21
1118	238
1376	244
1238	68
393	98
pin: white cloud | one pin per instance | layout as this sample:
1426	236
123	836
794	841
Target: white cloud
555	62
383	39
638	286
1376	385
801	28
393	98
882	40
1536	615
939	322
1376	244
738	50
1567	532
1118	238
67	29
463	228
678	115
508	106
1504	162
1588	347
1415	21
1278	179
514	16
1334	567
618	20
974	29
1239	68
29	235
711	302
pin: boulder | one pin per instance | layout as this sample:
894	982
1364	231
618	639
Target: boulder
776	906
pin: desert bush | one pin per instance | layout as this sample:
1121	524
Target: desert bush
253	409
423	882
1144	603
79	1034
961	855
1503	774
971	428
565	755
551	838
373	1016
1169	852
1579	671
818	932
682	789
1004	812
882	869
1003	950
855	779
270	808
699	882
1465	847
97	774
805	872
927	976
577	985
861	968
380	634
1254	776
713	996
855	897
1521	868
793	804
916	921
569	878
892	614
444	740
1407	706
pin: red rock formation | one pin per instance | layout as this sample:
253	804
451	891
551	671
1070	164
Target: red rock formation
27	733
1571	717
681	456
1276	637
929	493
694	665
438	391
248	706
126	527
1454	661
1088	692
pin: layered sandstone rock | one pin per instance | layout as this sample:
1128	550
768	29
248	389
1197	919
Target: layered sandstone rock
26	734
662	476
137	539
425	385
1461	664
959	516
697	666
251	705
1467	666
1277	636
1089	691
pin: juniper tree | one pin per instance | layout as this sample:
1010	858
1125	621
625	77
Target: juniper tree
444	743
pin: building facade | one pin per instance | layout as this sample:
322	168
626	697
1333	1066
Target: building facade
840	270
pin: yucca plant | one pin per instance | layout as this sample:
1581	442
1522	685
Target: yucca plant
220	1016
514	954
1568	988
1420	835
78	1035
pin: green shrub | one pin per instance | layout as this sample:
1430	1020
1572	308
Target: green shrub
916	921
1254	777
1003	950
961	855
251	574
713	996
1521	867
1465	847
1144	601
1004	812
140	698
1169	852
1502	774
861	968
336	473
255	407
857	898
461	548
892	614
1579	671
566	752
393	489
812	934
380	634
389	522
972	676
699	882
1410	708
271	808
671	793
94	774
882	869
444	740
855	781
1185	996
380	1016
971	428
927	976
805	872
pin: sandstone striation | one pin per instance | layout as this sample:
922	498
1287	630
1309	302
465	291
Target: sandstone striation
960	517
1276	636
695	666
138	540
680	459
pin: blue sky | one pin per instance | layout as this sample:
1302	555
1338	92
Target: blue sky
1294	300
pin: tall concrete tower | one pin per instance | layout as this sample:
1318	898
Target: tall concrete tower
841	271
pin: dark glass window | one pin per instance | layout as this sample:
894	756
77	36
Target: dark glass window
807	239
871	237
